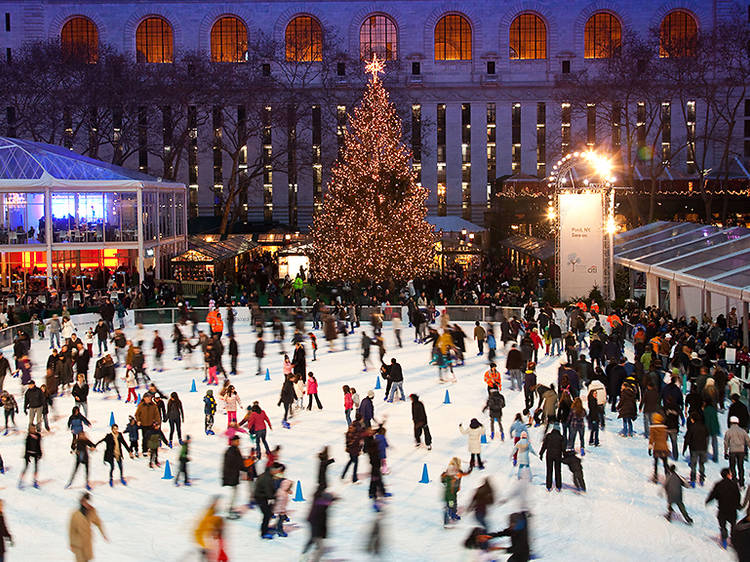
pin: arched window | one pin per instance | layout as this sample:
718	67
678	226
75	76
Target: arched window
453	38
677	35
378	36
304	40
80	38
229	40
602	36
528	38
154	41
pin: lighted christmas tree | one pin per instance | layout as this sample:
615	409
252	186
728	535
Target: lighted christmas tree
372	225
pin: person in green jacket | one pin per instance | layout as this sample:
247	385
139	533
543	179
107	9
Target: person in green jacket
711	417
451	480
184	460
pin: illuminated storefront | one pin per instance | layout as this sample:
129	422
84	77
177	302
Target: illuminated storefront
101	218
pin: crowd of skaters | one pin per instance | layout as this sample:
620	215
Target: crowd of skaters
690	364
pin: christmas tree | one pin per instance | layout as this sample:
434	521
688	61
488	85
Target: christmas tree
372	225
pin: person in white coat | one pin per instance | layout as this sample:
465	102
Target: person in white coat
601	398
475	432
68	329
232	404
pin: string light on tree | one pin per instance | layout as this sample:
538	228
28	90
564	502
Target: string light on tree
372	225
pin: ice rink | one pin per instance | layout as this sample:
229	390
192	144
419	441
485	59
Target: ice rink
620	518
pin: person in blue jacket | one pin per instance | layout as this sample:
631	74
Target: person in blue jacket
76	421
367	409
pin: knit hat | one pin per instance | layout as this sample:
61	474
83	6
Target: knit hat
524	435
734	419
693	355
371	394
657	418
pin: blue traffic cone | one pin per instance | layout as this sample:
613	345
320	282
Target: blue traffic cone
425	477
167	472
192	387
377	383
111	419
447	399
483	439
298	493
268	375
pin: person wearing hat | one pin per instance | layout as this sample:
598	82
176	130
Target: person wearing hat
736	441
79	529
367	409
493	378
657	444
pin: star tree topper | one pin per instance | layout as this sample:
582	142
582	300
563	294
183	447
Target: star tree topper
375	67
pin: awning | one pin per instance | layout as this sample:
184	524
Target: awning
537	248
453	224
206	249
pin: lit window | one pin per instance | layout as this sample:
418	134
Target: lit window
528	38
304	40
378	36
677	35
602	36
229	40
80	38
154	41
453	38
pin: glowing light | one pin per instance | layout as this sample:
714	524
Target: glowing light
551	214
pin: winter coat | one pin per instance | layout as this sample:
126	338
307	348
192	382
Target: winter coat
514	359
475	437
174	410
348	402
549	403
495	404
627	407
233	465
673	486
34	398
657	440
260	348
727	494
739	410
33	447
312	386
79	532
232	402
711	419
553	444
282	496
76	423
735	439
395	373
209	405
516	428
147	414
696	437
650	401
418	414
80	392
523	448
353	439
601	391
576	421
109	443
366	410
257	421
264	486
287	392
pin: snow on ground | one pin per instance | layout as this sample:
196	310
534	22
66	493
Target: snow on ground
620	518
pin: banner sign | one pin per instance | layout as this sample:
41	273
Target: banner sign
581	244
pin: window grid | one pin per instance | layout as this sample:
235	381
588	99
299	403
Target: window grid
590	125
378	36
690	122
416	142
291	171
616	119
466	161
154	41
666	132
267	166
218	123
192	117
317	166
565	115
602	36
515	138
340	126
229	40
441	162
80	38
453	38
528	38
541	139
491	151
677	35
304	40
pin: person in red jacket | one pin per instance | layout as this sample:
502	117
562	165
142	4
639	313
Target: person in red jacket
256	420
312	390
158	347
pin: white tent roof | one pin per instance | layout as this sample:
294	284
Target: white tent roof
32	164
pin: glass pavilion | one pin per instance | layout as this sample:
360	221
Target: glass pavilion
65	217
687	264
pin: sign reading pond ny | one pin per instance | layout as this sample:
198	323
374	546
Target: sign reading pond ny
581	243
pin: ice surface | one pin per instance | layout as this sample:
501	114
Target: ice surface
620	518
